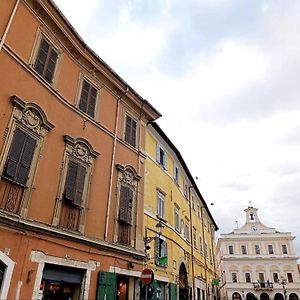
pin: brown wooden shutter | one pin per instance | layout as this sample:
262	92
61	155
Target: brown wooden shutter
42	57
80	185
130	205
84	96
92	101
26	159
15	154
123	204
51	65
130	131
70	185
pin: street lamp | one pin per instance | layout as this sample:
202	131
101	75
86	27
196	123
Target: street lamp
147	239
282	281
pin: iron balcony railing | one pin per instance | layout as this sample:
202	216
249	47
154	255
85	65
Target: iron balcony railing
263	285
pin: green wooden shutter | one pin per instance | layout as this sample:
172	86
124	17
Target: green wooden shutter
153	286
107	286
173	291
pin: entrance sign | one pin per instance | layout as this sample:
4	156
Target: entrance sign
147	276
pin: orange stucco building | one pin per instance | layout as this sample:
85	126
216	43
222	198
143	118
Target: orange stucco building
71	163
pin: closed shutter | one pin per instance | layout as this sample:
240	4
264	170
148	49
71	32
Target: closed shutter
173	291
42	57
80	185
130	131
84	96
92	101
107	286
26	159
15	154
51	65
20	157
123	204
130	205
70	184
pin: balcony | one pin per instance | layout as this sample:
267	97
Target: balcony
263	285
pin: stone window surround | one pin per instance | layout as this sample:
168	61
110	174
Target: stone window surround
10	264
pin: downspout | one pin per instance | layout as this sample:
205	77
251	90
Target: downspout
204	249
112	167
192	244
9	24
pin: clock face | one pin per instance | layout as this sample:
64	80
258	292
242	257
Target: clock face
254	228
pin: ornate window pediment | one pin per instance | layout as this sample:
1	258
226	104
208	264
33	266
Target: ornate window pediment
128	175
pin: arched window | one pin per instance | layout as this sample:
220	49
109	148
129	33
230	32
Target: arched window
293	296
236	296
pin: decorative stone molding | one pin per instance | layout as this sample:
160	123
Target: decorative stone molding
31	115
81	149
128	175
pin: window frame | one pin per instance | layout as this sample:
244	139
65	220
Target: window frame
160	245
275	276
230	250
247	277
161	159
270	249
257	249
244	249
176	175
42	35
234	278
289	276
284	249
176	217
161	204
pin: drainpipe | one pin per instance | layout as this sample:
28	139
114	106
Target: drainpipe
192	244
9	24
112	167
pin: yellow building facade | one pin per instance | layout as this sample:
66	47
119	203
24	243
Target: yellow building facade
182	255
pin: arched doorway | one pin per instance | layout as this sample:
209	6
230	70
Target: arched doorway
236	296
293	296
278	296
250	296
183	283
264	296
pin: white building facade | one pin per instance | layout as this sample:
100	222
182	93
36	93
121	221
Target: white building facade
257	262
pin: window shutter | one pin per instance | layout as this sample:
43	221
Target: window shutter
80	185
42	56
107	286
71	181
165	160
92	101
15	154
26	159
128	130
173	291
156	250
84	96
51	65
123	204
157	153
130	205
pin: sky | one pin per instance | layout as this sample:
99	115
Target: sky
225	74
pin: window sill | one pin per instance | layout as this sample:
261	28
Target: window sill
13	181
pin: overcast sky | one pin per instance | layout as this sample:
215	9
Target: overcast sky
225	74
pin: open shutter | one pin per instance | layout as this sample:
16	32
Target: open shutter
84	96
80	185
26	159
123	204
51	65
156	250
70	184
128	130
15	154
173	291
157	153
107	286
92	101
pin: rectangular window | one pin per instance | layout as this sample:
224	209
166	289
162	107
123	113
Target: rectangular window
176	218
275	277
187	230
290	277
19	158
160	205
161	156
161	252
74	183
230	249
198	210
46	61
200	244
176	174
130	131
270	249
284	249
261	277
234	277
88	98
193	202
195	238
247	277
257	249
205	249
186	191
244	249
